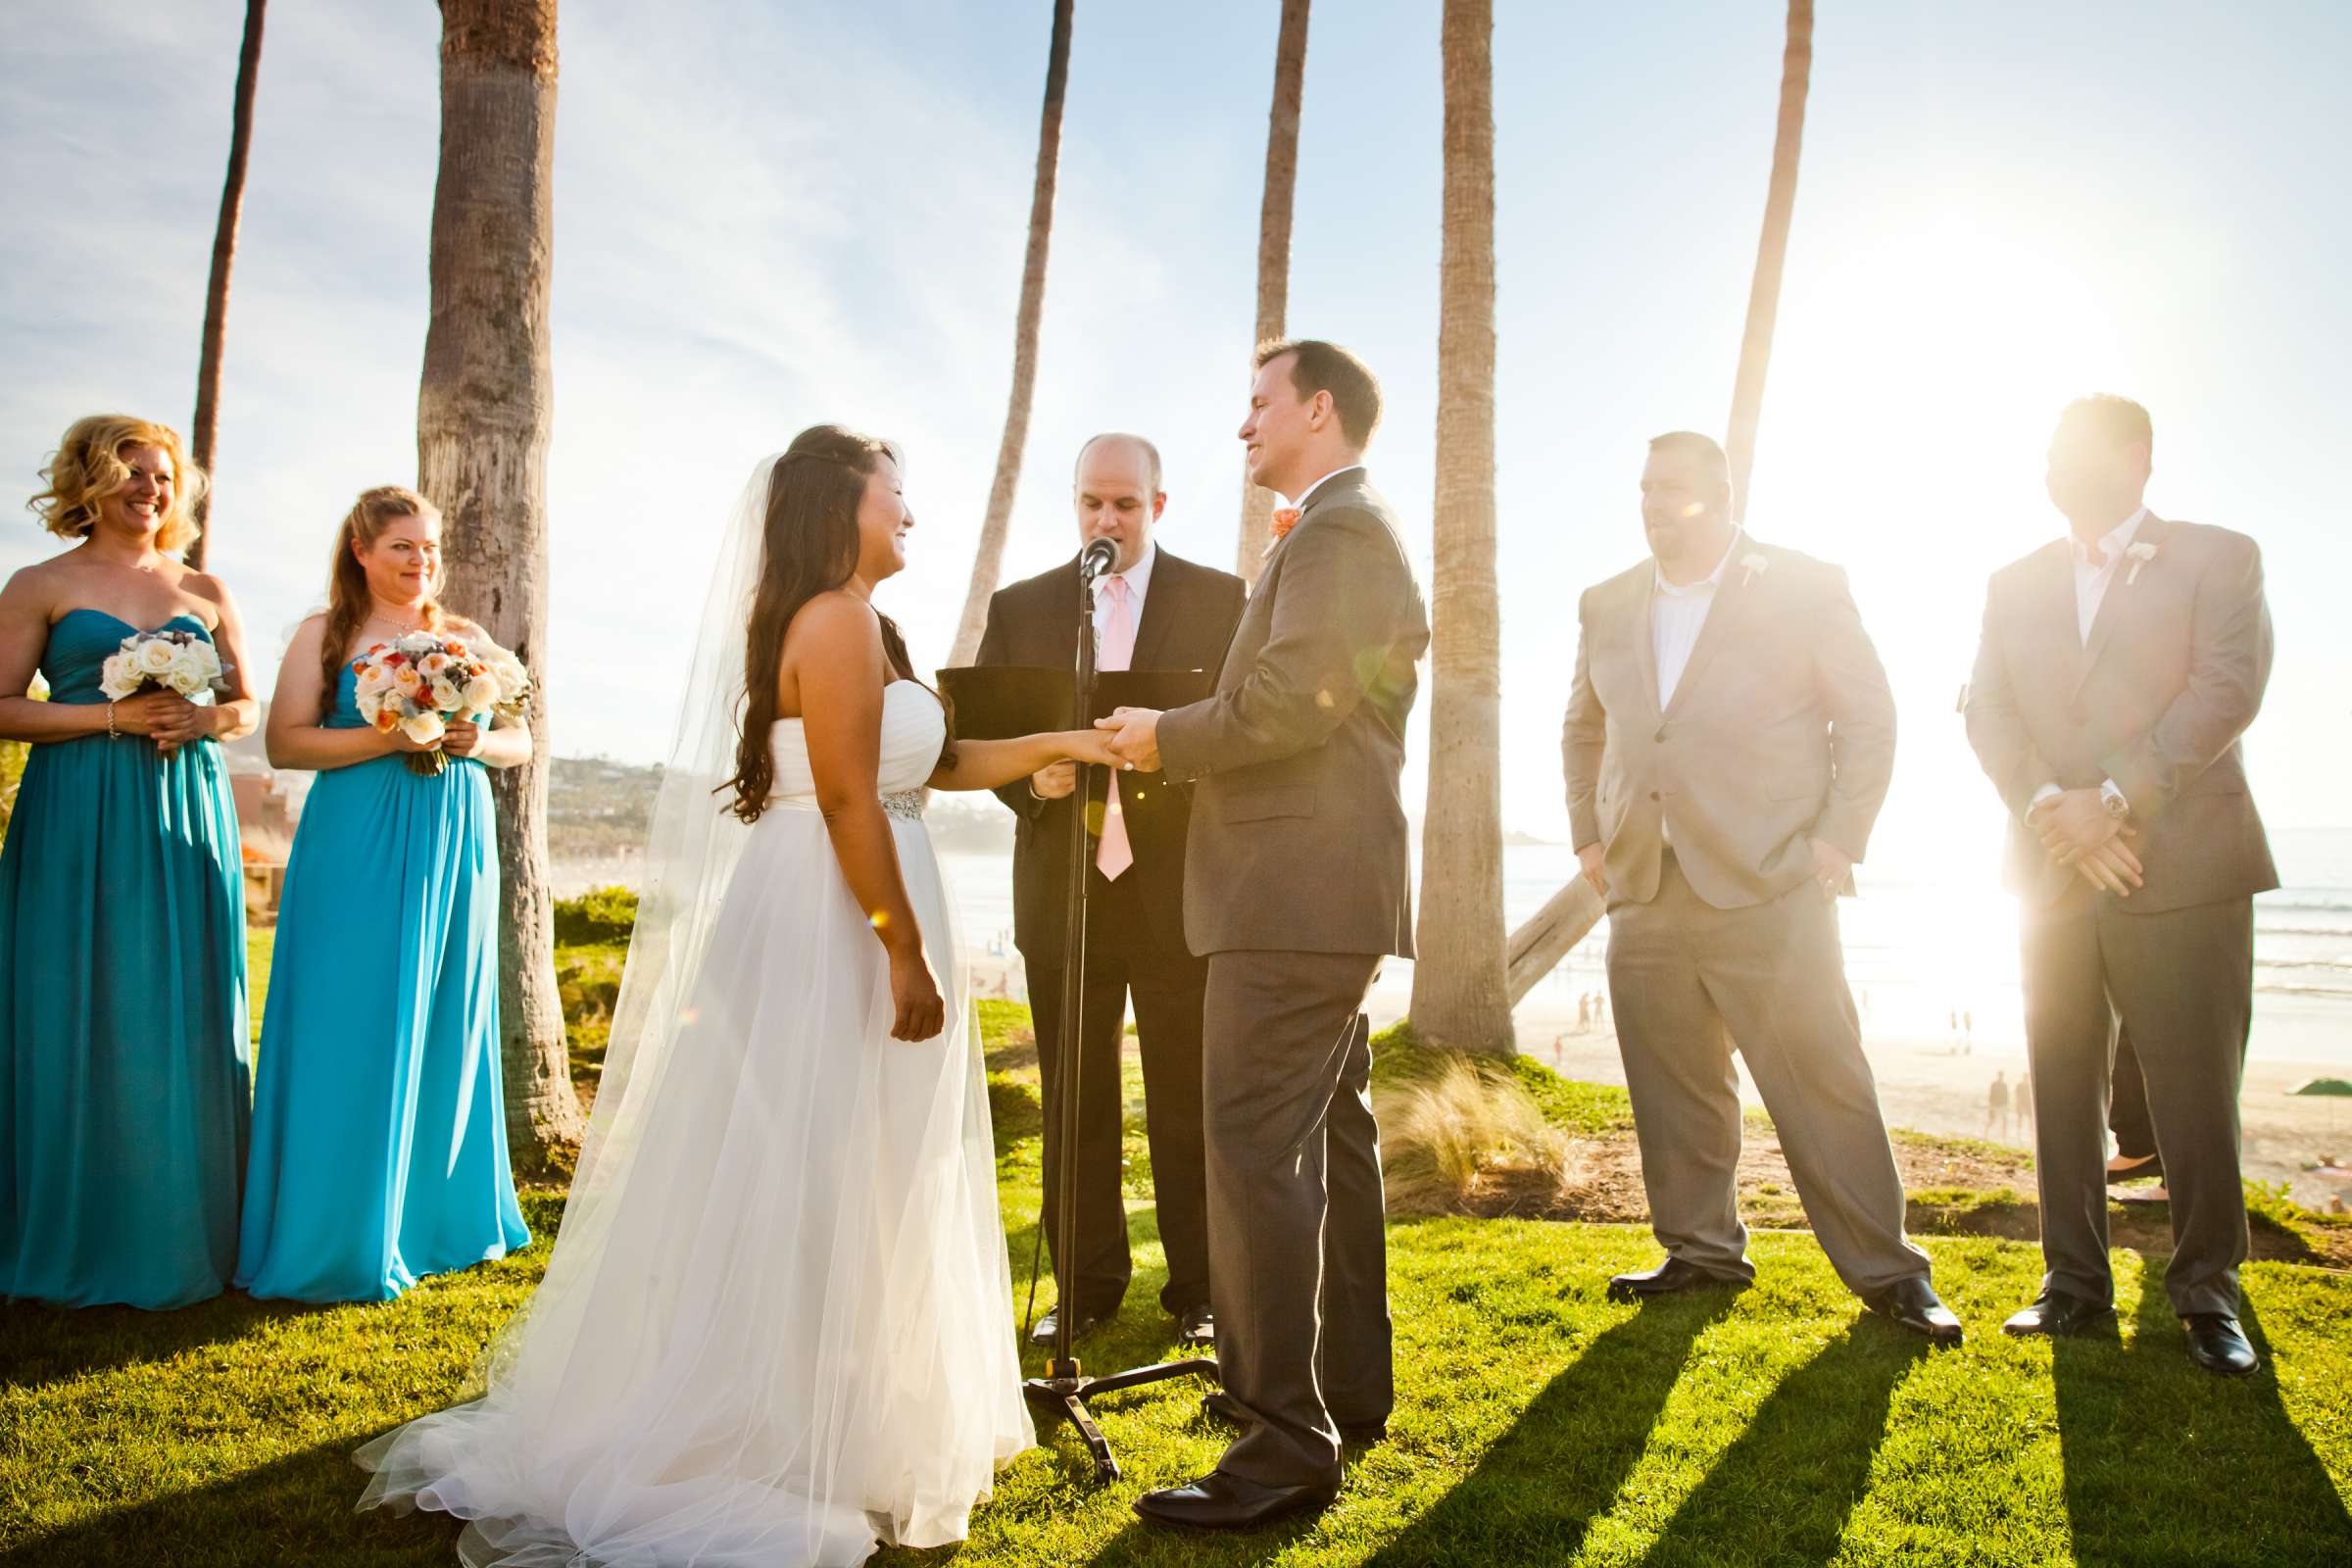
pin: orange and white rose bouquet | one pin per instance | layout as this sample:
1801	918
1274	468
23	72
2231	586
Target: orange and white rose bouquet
418	683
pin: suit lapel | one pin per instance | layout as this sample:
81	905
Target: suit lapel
2117	604
1646	635
1731	601
1161	610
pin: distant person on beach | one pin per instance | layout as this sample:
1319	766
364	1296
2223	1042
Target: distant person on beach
1729	740
1152	611
1996	1105
1583	1014
2118	668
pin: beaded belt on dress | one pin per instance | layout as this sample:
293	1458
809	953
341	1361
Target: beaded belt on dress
906	805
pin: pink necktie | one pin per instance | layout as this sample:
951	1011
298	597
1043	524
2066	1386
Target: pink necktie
1116	650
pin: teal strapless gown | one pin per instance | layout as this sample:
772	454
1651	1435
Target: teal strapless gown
380	1147
124	1079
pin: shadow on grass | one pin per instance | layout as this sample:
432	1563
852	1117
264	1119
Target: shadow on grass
2164	1463
1537	1488
1782	1491
298	1509
44	1345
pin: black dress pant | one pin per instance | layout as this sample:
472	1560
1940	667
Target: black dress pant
1166	987
2181	983
1303	1339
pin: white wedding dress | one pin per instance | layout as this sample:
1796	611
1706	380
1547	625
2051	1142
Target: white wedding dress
782	1329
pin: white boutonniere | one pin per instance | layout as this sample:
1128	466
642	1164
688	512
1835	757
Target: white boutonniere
2139	555
1752	566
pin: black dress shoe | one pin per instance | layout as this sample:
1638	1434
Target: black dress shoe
1220	1502
1050	1325
2057	1314
1197	1329
1913	1305
2217	1344
1669	1278
1220	1406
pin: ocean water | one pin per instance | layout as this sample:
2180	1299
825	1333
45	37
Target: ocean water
1928	959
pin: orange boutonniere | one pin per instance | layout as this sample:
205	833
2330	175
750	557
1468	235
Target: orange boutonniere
1285	519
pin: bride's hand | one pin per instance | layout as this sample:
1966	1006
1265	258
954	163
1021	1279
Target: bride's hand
1092	746
914	994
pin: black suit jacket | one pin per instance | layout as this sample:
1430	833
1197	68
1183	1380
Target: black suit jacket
1298	838
2172	675
1189	615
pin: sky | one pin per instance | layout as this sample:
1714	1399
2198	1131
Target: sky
771	214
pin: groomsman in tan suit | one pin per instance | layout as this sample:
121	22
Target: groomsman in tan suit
2118	667
1729	742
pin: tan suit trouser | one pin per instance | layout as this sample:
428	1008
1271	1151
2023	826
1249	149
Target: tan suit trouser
1688	981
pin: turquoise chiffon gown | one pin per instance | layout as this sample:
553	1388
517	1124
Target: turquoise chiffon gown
125	1081
379	1143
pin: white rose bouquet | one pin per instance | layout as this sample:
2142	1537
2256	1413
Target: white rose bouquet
174	661
417	683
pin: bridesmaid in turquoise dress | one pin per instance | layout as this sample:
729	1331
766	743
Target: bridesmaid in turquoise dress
124	1077
379	1145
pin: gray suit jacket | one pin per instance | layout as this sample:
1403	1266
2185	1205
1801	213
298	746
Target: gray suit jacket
1781	730
2156	699
1298	838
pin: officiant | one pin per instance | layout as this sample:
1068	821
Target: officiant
1154	610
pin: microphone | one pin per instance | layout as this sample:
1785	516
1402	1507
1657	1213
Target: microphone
1096	559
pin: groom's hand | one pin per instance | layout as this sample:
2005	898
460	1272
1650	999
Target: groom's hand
1136	737
1055	782
1593	860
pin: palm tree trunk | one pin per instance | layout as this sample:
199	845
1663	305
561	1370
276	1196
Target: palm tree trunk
989	563
1459	997
1274	249
483	415
224	255
1772	250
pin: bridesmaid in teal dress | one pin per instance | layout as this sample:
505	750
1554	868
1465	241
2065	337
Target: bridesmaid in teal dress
125	1076
379	1145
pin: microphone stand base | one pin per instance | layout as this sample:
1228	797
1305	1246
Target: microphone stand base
1064	1391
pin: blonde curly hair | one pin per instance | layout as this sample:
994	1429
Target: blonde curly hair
88	468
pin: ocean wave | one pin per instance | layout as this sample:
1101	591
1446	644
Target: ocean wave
2281	988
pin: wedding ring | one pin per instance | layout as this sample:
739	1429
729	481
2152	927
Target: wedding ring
1129	766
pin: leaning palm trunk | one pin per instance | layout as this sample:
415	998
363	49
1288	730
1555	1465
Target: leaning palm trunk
482	424
1772	251
988	562
1274	248
1460	1000
206	424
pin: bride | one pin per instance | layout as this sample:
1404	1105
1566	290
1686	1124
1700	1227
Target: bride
776	1327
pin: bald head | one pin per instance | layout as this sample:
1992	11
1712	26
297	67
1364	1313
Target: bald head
1121	446
1117	493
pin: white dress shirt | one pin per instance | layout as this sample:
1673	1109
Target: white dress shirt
1677	616
2093	577
1139	584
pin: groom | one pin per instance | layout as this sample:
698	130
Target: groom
1297	885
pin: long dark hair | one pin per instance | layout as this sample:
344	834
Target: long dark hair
808	546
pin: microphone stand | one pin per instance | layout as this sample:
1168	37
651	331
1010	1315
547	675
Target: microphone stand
1065	1387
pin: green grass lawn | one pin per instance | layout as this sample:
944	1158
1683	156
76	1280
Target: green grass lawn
1538	1422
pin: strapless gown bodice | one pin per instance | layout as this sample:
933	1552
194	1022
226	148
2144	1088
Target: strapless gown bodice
914	728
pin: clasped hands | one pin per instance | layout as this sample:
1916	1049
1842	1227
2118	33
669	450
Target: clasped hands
2076	831
1132	743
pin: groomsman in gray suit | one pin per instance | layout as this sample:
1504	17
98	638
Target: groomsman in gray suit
1729	742
2117	669
1297	884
